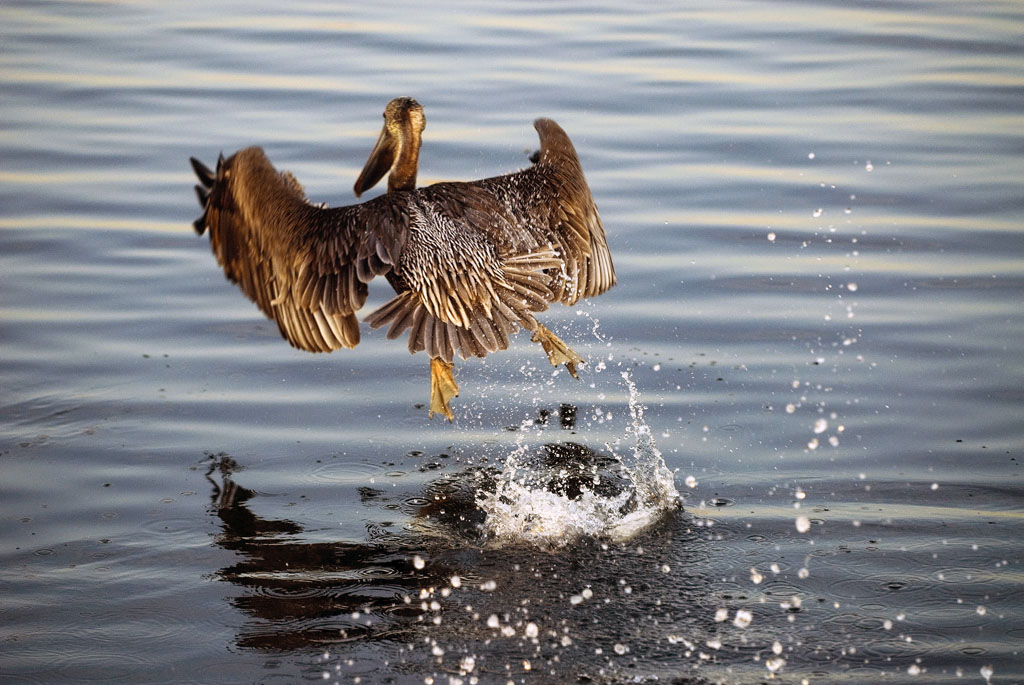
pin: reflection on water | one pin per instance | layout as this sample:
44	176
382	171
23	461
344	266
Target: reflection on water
313	594
437	595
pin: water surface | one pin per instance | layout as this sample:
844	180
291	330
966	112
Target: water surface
815	215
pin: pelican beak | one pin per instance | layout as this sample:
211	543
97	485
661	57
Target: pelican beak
380	161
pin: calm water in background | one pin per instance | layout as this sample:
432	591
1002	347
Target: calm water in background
815	213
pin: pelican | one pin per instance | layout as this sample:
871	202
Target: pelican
470	262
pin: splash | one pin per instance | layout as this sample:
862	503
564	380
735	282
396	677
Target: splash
552	505
595	324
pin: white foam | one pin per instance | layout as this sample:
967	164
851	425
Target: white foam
522	510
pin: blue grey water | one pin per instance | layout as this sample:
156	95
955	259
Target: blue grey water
815	211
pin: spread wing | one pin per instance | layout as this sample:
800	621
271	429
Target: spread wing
548	204
572	216
305	266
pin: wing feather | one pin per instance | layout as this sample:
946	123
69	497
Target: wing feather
305	266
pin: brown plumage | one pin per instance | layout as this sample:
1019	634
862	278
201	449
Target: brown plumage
471	262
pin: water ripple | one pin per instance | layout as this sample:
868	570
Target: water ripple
813	205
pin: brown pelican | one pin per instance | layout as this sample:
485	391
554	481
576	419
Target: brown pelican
470	262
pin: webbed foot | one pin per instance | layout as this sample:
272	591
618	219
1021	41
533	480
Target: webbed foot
442	388
558	352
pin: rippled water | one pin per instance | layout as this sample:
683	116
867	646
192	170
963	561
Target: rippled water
815	213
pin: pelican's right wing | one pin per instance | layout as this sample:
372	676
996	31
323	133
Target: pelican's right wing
305	266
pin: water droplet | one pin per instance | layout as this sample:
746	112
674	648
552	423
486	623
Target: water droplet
914	669
721	615
742	618
817	212
852	287
771	237
776	647
820	426
418	563
531	630
986	672
456	581
620	649
803	524
869	166
981	610
775	664
691	482
810	155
